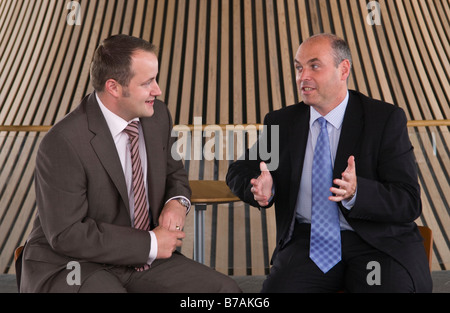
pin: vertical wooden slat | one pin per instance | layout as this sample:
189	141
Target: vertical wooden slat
439	84
171	97
183	104
11	72
225	50
264	102
157	19
166	48
80	44
250	89
148	19
273	61
286	57
200	81
212	98
28	67
295	39
378	63
138	19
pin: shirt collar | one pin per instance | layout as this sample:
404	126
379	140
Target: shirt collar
115	123
335	117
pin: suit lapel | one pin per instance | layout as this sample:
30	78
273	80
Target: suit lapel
298	137
153	143
352	128
104	147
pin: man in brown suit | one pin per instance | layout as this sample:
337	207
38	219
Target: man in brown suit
84	190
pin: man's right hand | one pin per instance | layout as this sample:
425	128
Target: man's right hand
168	241
262	186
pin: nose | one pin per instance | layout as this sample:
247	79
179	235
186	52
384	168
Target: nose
156	91
303	75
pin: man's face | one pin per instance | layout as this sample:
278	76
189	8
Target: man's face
138	97
321	84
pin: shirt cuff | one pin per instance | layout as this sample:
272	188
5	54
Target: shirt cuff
348	204
177	197
153	248
273	194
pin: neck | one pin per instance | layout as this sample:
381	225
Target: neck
326	108
109	102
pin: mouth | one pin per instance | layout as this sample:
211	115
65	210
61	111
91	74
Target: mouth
307	90
150	102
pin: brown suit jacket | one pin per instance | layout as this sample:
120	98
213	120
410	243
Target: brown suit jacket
83	211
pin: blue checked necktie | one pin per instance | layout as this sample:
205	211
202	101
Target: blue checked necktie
325	246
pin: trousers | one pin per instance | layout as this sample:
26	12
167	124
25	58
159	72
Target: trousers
177	274
362	268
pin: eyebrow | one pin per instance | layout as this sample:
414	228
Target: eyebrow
149	80
309	62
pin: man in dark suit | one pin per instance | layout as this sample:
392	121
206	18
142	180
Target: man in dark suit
85	236
372	189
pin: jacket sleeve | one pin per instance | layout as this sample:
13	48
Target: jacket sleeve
246	168
177	182
392	194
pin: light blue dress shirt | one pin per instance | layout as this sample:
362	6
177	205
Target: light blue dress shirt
334	126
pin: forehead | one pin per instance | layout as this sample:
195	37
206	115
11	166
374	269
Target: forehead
144	61
314	49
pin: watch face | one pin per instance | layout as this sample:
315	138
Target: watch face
183	202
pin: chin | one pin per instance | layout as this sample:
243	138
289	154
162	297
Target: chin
149	110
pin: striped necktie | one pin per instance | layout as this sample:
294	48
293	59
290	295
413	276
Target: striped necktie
141	213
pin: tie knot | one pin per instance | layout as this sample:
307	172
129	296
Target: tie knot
132	129
322	122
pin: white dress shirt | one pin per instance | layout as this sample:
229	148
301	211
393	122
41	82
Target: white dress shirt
117	125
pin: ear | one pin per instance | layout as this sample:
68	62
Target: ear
113	88
345	69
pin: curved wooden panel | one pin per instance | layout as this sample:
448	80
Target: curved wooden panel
227	62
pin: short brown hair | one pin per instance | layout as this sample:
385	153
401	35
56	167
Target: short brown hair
112	59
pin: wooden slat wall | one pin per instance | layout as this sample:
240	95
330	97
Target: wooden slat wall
226	62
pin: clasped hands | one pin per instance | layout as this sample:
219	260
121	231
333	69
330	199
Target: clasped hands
169	232
262	186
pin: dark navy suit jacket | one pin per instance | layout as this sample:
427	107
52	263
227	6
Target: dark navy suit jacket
388	200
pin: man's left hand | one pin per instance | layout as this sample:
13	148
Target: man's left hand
347	184
173	215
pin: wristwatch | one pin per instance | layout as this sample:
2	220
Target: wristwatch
184	202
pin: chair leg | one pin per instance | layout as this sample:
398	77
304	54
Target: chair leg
18	265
